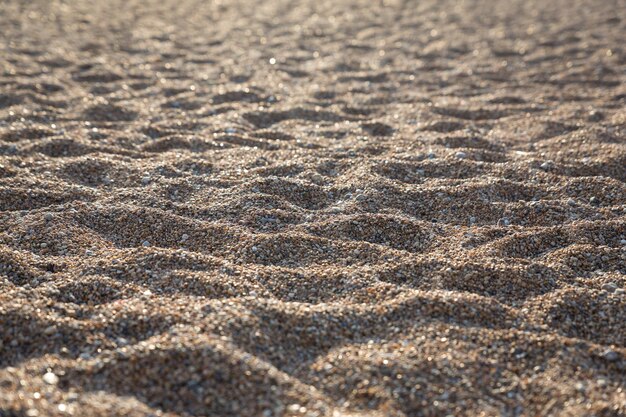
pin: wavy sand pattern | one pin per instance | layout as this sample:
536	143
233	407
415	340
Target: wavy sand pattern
313	208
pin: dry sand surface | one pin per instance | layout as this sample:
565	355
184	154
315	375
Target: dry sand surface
313	208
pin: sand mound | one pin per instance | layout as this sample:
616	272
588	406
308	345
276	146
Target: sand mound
320	208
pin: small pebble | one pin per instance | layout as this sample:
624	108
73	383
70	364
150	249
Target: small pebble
50	378
610	355
547	165
145	243
184	237
609	286
595	116
461	155
317	178
48	217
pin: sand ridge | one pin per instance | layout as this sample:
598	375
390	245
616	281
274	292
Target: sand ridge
313	208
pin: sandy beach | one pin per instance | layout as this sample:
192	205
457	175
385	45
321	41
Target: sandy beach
343	208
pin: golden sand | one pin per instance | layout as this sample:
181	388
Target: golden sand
312	208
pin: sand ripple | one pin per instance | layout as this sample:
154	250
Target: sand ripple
321	208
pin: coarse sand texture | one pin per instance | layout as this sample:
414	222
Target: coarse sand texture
332	208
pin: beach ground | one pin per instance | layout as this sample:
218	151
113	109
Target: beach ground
313	208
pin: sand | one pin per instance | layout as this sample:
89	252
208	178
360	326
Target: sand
313	208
